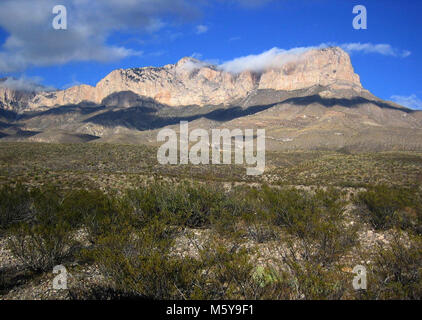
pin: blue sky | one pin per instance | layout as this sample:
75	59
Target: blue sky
106	35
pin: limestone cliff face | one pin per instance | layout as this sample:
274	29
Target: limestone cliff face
189	82
326	67
72	95
192	82
14	100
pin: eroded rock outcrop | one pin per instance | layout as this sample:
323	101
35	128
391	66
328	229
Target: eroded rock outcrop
192	82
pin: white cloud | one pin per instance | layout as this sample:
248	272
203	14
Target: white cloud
412	101
32	41
276	57
200	29
383	49
190	64
24	84
272	58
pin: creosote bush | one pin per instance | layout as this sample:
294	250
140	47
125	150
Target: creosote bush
102	214
185	204
46	239
314	221
139	263
143	265
15	205
386	207
317	237
137	240
257	217
227	271
396	271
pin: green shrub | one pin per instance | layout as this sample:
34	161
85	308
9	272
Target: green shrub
237	208
185	204
299	211
146	202
270	283
46	239
133	240
315	222
385	207
206	202
396	271
315	282
227	271
139	263
317	238
79	206
102	214
258	226
40	247
15	205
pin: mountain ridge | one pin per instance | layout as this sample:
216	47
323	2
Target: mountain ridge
313	101
192	82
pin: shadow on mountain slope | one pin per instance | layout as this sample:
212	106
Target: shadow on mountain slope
7	115
5	125
130	110
123	99
82	108
142	119
348	103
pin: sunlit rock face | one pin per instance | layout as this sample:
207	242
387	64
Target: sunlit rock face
193	82
14	100
326	67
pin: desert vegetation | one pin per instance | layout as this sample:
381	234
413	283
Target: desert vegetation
203	238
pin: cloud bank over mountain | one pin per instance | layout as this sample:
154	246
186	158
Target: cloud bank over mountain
269	59
23	84
32	41
276	57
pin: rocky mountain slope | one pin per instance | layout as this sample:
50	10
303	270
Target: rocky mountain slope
313	100
192	82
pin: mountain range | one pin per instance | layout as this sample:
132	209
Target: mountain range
312	100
